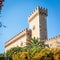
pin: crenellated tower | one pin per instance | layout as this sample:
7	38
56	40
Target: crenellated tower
37	23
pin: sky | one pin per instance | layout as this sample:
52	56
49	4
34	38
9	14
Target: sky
14	16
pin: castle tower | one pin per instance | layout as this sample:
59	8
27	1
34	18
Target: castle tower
37	23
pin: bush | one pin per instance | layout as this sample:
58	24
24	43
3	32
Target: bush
1	58
10	52
37	53
34	51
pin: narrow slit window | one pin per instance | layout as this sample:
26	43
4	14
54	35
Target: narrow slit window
33	27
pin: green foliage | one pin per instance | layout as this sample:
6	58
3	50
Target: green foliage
1	58
13	50
58	53
33	41
1	55
36	41
34	51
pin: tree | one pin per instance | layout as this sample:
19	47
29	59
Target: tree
1	55
1	25
33	41
36	41
13	50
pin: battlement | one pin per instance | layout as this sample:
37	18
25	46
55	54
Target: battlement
38	10
24	32
54	37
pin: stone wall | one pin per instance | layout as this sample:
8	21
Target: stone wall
19	40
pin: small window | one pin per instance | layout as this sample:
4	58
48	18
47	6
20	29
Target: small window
21	43
33	27
50	44
58	46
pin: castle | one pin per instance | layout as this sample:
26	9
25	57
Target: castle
37	28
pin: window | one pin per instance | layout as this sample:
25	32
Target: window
50	44
33	27
21	43
58	46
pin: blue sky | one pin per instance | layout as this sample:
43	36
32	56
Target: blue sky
15	16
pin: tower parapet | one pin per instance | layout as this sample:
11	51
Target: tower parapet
39	10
